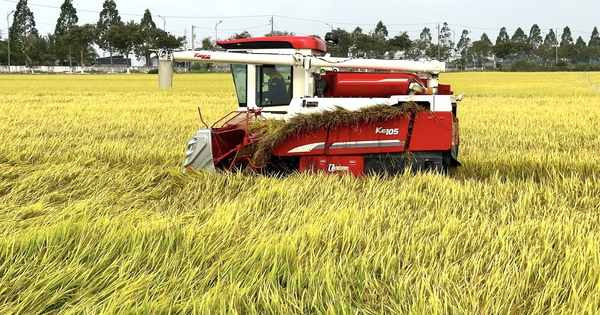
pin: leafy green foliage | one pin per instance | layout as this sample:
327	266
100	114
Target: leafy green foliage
535	36
502	36
594	38
124	37
165	40
279	33
566	38
80	38
241	35
519	36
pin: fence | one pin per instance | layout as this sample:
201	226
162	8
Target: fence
99	69
67	69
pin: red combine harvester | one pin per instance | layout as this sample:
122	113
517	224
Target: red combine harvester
290	78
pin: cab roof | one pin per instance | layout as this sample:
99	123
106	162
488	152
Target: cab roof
275	42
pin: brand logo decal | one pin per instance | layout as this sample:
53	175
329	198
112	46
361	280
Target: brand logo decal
201	56
387	132
333	168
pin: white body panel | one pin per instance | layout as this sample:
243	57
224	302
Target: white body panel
438	103
297	58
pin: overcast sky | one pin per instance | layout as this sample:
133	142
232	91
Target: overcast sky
316	17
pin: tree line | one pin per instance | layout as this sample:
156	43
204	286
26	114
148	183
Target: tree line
543	49
73	43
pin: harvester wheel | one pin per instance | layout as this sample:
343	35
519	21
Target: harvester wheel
281	166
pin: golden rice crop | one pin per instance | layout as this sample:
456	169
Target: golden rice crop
97	217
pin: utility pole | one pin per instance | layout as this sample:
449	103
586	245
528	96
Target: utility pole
556	44
8	36
185	42
193	37
216	37
439	52
271	21
164	22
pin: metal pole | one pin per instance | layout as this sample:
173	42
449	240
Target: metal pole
556	46
438	36
193	37
216	24
164	22
8	38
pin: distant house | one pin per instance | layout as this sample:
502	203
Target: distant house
116	60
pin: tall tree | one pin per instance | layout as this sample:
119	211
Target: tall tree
520	46
80	39
519	36
66	19
362	43
23	33
379	44
464	43
462	47
380	31
551	38
502	36
124	37
535	36
485	38
446	44
566	38
580	47
147	27
400	42
595	38
109	16
425	36
482	49
424	45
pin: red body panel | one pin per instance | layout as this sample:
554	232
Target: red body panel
342	149
296	42
332	164
307	143
366	84
431	131
444	89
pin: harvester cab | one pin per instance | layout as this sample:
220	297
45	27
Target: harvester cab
358	115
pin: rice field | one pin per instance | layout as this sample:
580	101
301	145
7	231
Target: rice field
96	216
